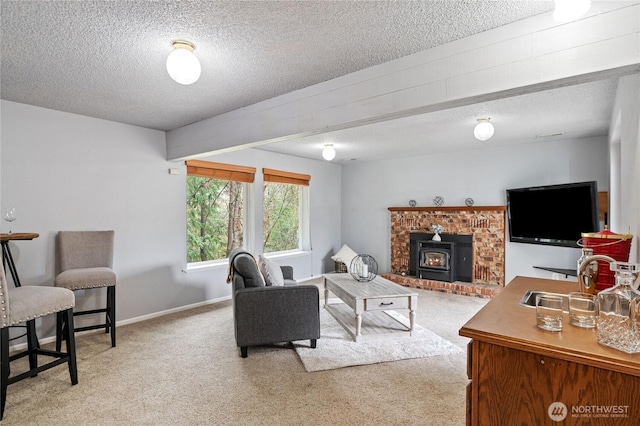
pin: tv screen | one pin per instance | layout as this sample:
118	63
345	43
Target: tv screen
554	214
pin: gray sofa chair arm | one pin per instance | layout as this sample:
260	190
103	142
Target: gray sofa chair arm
265	315
287	272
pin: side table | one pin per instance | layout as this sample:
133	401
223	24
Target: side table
7	258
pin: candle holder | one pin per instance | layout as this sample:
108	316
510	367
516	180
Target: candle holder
363	268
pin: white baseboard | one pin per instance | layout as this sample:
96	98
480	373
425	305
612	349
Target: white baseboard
45	340
50	339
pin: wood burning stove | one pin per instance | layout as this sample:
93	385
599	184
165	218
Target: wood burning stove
435	261
434	258
448	260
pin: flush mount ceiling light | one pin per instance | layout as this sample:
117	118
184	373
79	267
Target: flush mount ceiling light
328	153
182	64
483	130
570	10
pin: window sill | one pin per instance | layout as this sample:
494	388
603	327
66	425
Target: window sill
287	254
205	266
224	263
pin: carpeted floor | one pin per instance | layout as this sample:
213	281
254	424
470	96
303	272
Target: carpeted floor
185	369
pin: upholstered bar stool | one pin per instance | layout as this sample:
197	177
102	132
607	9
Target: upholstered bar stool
86	262
23	305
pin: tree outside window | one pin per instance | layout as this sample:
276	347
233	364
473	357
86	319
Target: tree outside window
214	218
285	211
281	217
215	209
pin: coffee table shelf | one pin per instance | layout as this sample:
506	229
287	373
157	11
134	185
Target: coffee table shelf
375	324
364	311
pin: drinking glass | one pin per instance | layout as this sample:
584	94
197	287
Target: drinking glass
549	312
10	216
582	309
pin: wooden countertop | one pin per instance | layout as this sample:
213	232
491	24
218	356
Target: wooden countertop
503	321
18	236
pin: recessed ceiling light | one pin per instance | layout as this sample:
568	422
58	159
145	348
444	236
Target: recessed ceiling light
570	10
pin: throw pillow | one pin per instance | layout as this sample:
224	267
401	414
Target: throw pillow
246	266
345	255
270	271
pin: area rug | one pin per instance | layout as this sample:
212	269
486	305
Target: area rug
336	348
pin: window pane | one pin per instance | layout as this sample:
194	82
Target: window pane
281	207
214	218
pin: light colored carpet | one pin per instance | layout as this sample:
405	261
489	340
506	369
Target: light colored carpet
185	369
336	348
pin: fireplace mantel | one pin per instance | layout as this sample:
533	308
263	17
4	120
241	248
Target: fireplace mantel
449	209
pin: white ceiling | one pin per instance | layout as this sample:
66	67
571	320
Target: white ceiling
566	113
107	60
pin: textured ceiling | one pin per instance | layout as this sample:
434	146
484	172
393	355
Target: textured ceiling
106	59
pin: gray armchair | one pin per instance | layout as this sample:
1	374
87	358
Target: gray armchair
263	314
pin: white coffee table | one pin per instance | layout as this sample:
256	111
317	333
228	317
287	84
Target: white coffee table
375	298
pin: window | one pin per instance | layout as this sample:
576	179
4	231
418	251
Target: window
215	209
285	215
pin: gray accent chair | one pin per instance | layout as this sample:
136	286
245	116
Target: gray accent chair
86	262
24	304
264	315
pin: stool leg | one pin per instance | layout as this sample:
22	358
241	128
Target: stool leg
59	331
4	360
32	344
111	313
70	338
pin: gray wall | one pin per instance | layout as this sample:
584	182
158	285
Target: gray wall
484	174
65	171
69	172
624	139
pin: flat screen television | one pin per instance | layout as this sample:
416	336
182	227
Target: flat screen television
554	215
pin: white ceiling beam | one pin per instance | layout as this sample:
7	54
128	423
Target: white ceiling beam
530	55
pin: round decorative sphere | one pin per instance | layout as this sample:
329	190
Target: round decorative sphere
469	202
438	200
363	268
412	203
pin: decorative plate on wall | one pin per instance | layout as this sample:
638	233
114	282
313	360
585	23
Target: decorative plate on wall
438	200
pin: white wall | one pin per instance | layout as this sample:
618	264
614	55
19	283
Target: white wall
368	189
69	172
625	167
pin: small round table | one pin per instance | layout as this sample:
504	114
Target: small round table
7	258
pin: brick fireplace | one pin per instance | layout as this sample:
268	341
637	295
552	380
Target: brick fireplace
486	226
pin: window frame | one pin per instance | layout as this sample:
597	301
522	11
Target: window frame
303	182
222	171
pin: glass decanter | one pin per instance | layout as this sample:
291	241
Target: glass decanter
618	321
